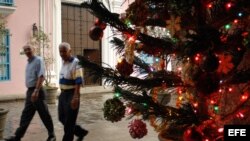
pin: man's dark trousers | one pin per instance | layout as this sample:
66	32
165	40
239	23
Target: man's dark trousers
30	110
68	116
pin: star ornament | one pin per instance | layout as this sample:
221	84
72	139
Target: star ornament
226	64
174	24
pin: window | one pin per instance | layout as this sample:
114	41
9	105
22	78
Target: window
6	2
5	57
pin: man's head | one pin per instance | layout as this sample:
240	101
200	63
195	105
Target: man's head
65	51
28	50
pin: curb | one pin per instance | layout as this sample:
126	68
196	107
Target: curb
83	91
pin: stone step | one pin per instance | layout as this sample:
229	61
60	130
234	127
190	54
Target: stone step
84	90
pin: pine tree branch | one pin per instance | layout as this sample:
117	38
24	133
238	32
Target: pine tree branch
184	115
99	10
236	110
239	77
118	44
114	78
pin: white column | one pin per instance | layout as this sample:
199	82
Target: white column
108	53
50	23
42	14
57	36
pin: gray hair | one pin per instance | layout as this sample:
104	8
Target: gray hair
65	45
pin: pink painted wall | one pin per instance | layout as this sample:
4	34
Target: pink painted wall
20	25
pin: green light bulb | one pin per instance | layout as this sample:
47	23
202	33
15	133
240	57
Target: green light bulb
117	95
128	23
228	26
216	108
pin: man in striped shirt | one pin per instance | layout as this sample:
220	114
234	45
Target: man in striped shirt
69	99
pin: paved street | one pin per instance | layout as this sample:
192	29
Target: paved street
90	117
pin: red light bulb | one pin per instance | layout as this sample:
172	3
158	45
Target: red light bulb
244	34
220	90
236	21
244	97
210	5
212	102
196	58
131	39
180	91
229	5
240	115
220	130
195	104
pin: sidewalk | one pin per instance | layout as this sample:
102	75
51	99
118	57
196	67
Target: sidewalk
84	90
90	117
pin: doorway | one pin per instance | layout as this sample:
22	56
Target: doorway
93	55
76	23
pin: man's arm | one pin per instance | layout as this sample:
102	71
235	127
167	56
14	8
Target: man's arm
77	91
78	82
76	97
39	83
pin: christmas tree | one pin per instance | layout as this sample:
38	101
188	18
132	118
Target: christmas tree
207	44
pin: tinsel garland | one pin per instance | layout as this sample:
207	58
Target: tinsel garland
119	46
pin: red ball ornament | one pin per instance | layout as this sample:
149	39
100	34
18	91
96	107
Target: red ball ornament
100	23
124	68
192	134
137	129
96	33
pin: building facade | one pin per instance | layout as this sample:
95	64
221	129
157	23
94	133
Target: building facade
53	17
20	16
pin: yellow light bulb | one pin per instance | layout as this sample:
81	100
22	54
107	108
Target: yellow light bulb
119	60
180	98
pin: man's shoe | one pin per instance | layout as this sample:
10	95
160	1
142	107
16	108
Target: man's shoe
12	138
81	137
51	138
